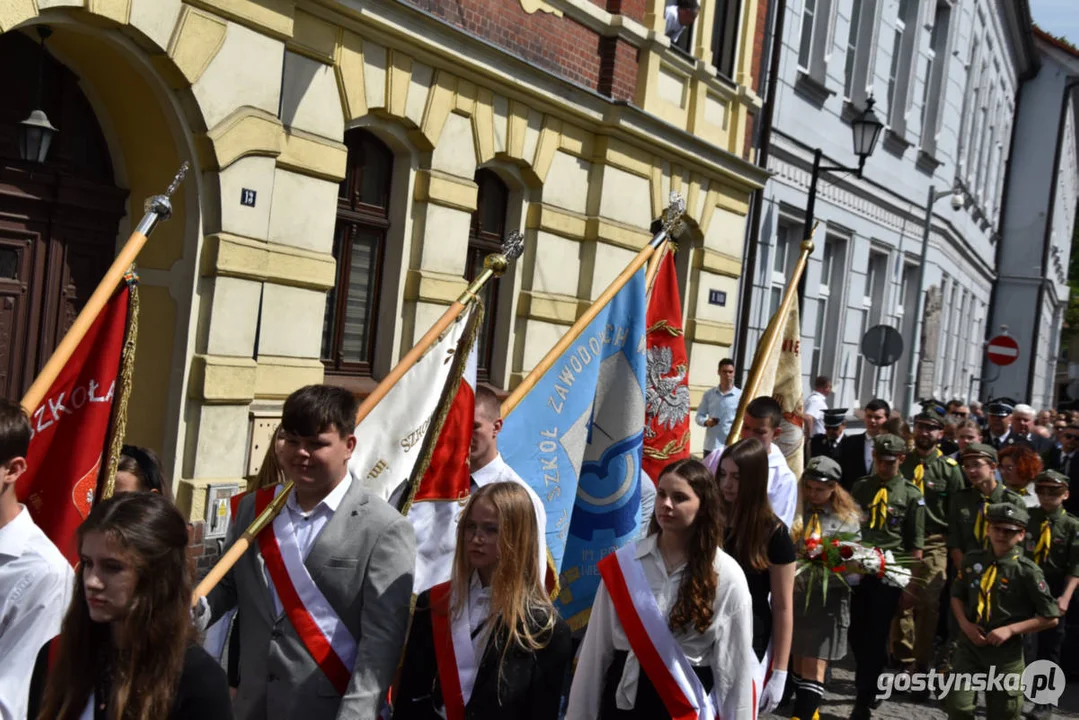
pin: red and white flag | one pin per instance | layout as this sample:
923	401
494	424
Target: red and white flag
71	427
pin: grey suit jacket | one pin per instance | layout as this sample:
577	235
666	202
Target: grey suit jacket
363	562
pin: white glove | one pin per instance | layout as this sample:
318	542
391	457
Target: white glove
773	691
200	614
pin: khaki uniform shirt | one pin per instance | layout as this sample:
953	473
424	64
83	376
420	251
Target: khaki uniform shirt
963	515
941	481
1063	557
904	526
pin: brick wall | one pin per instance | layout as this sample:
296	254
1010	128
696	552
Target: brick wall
559	45
630	8
202	552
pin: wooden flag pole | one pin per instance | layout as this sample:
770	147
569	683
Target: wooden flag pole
653	265
494	265
158	208
771	336
672	219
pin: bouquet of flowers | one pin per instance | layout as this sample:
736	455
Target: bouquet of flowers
841	556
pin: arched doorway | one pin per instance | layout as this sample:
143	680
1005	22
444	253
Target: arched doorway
58	221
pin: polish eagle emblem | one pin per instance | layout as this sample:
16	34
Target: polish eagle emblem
666	395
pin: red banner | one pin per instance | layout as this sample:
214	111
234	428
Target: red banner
70	430
666	425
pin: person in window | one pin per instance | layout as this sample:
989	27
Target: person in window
680	14
515	648
129	647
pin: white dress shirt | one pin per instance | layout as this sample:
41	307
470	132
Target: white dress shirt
868	450
815	405
726	646
478	609
307	526
36	583
782	485
672	28
498	471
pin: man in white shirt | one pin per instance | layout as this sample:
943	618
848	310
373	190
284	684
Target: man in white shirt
487	466
36	581
679	14
816	405
762	421
718	407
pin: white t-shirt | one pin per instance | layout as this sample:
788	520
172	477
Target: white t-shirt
782	484
498	471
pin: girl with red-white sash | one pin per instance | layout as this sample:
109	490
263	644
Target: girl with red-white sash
670	631
488	643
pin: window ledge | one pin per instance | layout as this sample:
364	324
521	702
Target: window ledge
928	161
896	142
811	88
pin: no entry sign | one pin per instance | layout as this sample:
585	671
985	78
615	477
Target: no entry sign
1003	350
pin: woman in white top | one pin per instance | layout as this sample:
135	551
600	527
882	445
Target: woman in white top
695	628
488	643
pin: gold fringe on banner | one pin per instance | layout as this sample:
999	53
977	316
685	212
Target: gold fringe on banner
118	425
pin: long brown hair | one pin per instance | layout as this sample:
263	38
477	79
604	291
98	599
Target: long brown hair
841	504
518	599
750	516
270	472
157	630
697	592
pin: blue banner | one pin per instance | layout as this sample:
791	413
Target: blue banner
577	439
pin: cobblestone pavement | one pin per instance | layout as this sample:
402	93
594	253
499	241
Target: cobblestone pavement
839	701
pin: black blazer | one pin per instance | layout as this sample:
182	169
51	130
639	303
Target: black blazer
530	687
851	458
203	692
1053	460
819	445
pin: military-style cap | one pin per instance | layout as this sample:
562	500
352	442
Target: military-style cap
931	415
980	450
888	444
1052	477
1000	407
823	468
934	404
835	418
1007	514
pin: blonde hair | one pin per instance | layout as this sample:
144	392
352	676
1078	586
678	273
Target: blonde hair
841	504
270	472
518	598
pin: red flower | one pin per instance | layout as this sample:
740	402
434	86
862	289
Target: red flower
846	552
837	569
835	542
811	543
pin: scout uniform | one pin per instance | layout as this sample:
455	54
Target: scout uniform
1053	544
893	518
967	520
820	445
940	480
996	592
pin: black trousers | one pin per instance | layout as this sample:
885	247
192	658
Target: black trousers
872	607
649	705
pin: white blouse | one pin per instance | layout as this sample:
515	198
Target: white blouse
726	647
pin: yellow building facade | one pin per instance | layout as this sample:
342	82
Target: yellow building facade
276	102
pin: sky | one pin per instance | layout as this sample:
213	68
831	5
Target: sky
1059	17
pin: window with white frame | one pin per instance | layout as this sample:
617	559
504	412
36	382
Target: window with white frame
936	64
725	36
781	265
872	305
899	71
829	306
969	102
805	42
814	39
852	48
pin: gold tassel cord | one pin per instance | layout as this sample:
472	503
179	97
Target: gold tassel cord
878	510
1045	539
125	381
985	594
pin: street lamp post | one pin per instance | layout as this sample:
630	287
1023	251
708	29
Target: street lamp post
865	131
914	375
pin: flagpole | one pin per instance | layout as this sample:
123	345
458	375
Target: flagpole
494	265
771	337
158	208
672	219
653	265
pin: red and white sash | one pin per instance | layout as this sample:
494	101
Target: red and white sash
456	657
660	655
320	629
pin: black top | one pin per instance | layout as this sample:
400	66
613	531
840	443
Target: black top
203	692
780	552
852	459
529	688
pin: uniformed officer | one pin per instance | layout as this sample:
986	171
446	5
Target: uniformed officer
998	595
827	444
1053	544
939	479
893	518
967	521
998	422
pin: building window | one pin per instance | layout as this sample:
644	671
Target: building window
852	48
828	306
805	45
485	237
893	70
899	72
872	307
781	265
359	240
681	36
968	102
935	67
725	36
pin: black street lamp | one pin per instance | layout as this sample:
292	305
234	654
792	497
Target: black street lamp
865	131
36	132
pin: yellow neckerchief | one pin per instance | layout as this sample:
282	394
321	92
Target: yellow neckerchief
981	525
812	528
878	509
1041	551
985	594
919	472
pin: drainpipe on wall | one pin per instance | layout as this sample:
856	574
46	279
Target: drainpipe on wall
778	12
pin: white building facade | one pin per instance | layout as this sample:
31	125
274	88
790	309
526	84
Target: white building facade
944	75
1039	220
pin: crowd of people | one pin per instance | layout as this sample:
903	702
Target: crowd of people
705	615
